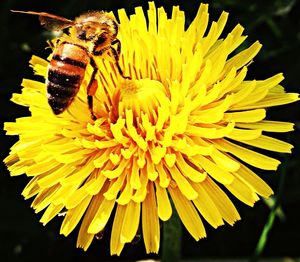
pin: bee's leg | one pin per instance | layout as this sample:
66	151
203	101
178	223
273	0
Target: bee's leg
116	53
118	43
91	88
100	52
51	44
90	94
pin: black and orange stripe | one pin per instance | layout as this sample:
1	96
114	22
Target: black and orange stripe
65	74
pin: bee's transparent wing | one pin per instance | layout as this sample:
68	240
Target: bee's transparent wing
50	21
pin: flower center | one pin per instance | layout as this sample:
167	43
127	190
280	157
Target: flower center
142	96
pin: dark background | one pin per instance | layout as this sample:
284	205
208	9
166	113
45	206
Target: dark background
275	23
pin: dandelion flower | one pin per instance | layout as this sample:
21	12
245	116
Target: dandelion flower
178	131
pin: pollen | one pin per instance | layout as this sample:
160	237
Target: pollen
143	97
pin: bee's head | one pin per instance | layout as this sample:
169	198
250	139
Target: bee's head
91	25
87	30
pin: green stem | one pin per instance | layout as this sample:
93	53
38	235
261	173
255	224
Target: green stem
271	218
171	246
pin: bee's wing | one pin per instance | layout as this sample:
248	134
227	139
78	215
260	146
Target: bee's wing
49	21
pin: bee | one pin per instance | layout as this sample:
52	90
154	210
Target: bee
90	34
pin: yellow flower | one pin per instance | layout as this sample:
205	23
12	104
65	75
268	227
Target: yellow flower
178	129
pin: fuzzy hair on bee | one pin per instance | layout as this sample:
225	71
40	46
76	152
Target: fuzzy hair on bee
91	34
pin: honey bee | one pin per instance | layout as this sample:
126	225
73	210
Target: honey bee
90	34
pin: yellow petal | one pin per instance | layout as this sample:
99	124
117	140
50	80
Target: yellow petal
187	214
84	238
243	57
164	179
224	161
269	143
207	207
222	202
96	183
269	126
210	132
43	199
272	100
246	116
253	181
127	192
188	171
163	203
141	193
135	180
42	167
249	156
101	217
242	192
73	216
115	187
50	213
117	171
244	134
77	196
62	194
130	222
31	188
182	183
214	170
116	245
150	222
56	176
80	174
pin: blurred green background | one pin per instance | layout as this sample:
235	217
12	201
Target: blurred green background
275	23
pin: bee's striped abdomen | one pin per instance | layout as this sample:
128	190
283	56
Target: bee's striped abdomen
65	74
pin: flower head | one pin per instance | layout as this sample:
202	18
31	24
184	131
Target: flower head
177	129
